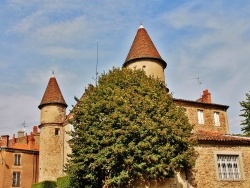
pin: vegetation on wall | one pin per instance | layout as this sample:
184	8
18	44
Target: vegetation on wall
246	114
128	128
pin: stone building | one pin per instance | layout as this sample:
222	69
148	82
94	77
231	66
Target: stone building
223	159
53	114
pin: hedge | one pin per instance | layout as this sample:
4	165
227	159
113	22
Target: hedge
63	182
44	184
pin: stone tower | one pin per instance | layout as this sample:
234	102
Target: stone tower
144	55
53	113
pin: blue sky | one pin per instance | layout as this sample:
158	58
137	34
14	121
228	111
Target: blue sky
209	40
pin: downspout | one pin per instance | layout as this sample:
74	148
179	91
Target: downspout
63	149
33	177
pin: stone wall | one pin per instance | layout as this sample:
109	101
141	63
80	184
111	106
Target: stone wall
51	142
151	68
66	149
206	173
52	114
51	159
208	114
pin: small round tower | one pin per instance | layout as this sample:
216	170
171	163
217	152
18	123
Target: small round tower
53	113
144	55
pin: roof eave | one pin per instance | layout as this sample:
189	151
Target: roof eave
224	142
52	103
127	62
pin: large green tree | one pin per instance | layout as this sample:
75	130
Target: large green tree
126	128
246	114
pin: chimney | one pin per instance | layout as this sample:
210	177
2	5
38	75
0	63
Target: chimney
206	97
35	129
20	134
13	139
5	141
31	142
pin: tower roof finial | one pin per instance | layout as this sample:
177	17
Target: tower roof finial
53	74
141	25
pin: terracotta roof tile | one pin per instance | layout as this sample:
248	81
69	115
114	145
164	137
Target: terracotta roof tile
212	136
23	147
201	103
53	94
143	47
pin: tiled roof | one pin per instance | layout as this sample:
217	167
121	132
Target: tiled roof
201	103
217	137
143	47
53	94
23	147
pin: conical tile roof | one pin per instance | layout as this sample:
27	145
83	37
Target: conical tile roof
53	94
143	48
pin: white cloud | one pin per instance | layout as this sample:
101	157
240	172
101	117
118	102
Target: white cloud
61	52
65	32
28	24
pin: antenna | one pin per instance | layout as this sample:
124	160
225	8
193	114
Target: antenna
24	125
96	73
199	83
198	80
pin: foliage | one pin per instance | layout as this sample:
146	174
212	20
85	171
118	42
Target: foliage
63	182
44	184
246	114
127	128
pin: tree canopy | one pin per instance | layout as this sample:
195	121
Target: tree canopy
246	114
128	128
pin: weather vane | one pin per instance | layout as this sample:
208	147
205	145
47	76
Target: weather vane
24	125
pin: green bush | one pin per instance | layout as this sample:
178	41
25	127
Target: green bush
63	182
44	184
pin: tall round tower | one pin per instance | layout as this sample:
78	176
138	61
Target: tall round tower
144	55
53	114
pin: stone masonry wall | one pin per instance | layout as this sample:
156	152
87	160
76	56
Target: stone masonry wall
209	123
51	142
151	67
208	115
51	159
205	171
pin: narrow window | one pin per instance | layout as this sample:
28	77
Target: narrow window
216	118
228	167
200	117
17	159
57	131
16	179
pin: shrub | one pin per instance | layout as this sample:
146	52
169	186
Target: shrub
44	184
63	182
